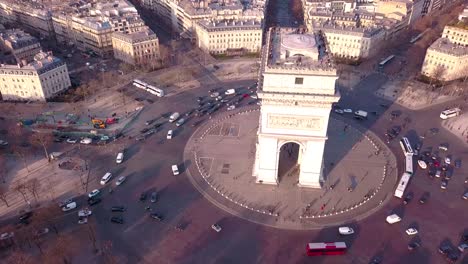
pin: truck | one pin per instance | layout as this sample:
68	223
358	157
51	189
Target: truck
174	117
360	114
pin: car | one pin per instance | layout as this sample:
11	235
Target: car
411	231
140	138
120	157
149	122
94	201
175	170
69	207
169	134
117	219
143	196
117	209
216	228
443	184
82	220
84	212
106	178
408	198
344	230
6	235
444	249
154	197
150	132
464	237
58	140
144	130
120	180
393	218
422	164
465	196
457	163
231	107
86	141
189	112
65	202
41	232
3	143
443	147
214	95
424	198
72	140
448	175
413	245
339	111
156	217
452	257
199	99
94	193
347	110
448	160
463	246
438	173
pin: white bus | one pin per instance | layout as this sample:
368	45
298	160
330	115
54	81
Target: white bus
450	113
385	61
402	185
149	88
406	146
409	164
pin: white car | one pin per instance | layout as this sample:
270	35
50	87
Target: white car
347	110
169	134
120	180
72	140
216	228
84	212
448	160
392	219
214	95
339	111
344	230
175	170
93	193
3	143
6	235
422	164
411	231
86	141
82	220
106	178
231	107
119	158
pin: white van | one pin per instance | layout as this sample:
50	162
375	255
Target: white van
392	219
69	206
106	178
175	170
119	158
230	91
169	134
174	117
180	122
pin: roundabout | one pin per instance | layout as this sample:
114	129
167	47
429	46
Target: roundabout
359	174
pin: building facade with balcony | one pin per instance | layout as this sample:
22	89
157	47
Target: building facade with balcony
136	48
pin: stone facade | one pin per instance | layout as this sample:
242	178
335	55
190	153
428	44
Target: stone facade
22	46
137	48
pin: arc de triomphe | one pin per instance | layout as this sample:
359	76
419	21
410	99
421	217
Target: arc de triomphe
297	89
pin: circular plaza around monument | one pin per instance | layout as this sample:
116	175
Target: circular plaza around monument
359	174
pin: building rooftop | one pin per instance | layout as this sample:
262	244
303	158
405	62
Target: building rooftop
462	24
443	45
135	37
17	38
349	30
43	62
214	25
294	49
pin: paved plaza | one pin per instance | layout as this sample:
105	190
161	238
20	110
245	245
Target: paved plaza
359	173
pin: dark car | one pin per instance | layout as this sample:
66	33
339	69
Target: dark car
452	257
189	113
58	139
25	216
117	220
457	163
150	101
413	246
408	198
393	132
424	198
199	99
118	209
94	201
464	237
143	196
149	122
154	197
156	217
144	130
448	175
444	249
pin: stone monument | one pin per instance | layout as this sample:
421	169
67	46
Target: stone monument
297	89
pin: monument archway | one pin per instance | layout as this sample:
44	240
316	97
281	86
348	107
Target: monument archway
289	162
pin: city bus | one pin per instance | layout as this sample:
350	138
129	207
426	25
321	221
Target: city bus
139	84
400	190
450	113
385	61
409	164
327	248
406	146
149	88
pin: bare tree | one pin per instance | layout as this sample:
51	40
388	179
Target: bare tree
437	74
61	251
3	197
20	153
47	215
20	257
109	258
3	168
43	140
21	188
33	185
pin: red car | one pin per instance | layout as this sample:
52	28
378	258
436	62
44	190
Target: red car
245	95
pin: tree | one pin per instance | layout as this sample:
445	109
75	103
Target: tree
20	153
46	215
109	258
43	140
61	251
21	188
3	197
437	74
3	168
20	257
33	185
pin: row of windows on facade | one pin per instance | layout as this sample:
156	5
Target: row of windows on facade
362	47
234	35
63	80
437	58
348	40
235	40
234	45
17	90
438	64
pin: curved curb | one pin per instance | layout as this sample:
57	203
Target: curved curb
209	190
